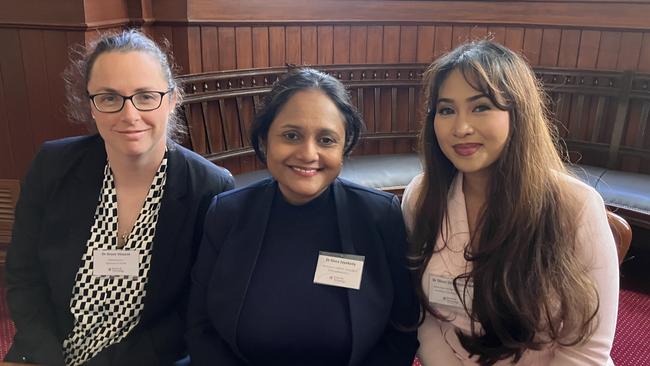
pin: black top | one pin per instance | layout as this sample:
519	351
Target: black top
286	319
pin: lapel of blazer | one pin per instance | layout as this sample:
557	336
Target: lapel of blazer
241	250
171	219
356	301
82	191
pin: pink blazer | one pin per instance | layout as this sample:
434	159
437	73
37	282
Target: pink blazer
439	344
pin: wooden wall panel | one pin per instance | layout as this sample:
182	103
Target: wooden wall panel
550	47
602	35
375	43
16	104
294	50
341	44
309	45
608	50
588	52
498	34
261	46
569	47
644	57
325	52
514	38
227	48
358	44
532	45
8	160
277	46
630	49
426	41
408	44
38	93
478	32
391	45
210	48
443	42
460	35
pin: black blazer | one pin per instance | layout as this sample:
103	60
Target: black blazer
54	215
370	224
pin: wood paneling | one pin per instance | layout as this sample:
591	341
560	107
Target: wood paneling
277	46
309	45
341	44
228	34
325	45
244	48
543	13
426	41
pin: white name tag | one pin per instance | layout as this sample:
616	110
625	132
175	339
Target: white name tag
442	291
341	270
115	262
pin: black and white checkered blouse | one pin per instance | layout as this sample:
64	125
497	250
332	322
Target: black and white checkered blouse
107	308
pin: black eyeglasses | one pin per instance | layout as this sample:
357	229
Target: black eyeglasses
143	101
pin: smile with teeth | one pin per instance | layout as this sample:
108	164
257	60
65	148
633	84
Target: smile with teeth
308	172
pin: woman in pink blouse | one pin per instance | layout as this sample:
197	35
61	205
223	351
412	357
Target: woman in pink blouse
515	257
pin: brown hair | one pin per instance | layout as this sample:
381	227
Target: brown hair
530	289
77	74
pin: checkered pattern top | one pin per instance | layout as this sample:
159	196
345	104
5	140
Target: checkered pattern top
107	308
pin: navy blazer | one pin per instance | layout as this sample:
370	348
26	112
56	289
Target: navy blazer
54	215
370	224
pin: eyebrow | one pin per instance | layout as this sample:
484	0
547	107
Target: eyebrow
470	99
114	91
296	127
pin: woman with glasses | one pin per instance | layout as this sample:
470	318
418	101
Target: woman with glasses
107	225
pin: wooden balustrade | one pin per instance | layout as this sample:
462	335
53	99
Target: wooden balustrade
601	115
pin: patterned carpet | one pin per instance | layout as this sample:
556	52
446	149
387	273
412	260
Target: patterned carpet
631	344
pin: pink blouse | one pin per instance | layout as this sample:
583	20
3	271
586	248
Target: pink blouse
439	344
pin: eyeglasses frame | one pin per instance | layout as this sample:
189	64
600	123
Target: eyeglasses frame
130	97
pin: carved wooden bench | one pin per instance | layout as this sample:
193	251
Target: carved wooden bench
602	116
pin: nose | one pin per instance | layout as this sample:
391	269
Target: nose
129	112
308	151
462	126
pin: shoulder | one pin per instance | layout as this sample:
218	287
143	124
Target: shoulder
582	195
56	157
244	198
410	198
68	146
202	170
254	190
365	193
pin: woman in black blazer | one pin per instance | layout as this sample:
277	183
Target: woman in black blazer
303	268
108	225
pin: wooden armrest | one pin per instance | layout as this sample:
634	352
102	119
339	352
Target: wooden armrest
622	234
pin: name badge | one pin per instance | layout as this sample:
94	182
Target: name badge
443	292
341	270
115	262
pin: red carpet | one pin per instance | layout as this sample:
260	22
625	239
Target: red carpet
632	341
631	344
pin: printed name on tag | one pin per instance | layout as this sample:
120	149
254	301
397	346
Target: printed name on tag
442	291
115	262
341	270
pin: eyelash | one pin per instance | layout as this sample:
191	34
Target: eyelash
445	111
325	141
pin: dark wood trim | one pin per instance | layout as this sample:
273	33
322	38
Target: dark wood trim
574	14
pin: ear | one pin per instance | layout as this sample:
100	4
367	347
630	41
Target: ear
262	145
173	100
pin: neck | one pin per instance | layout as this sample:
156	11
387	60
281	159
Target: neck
135	171
475	185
